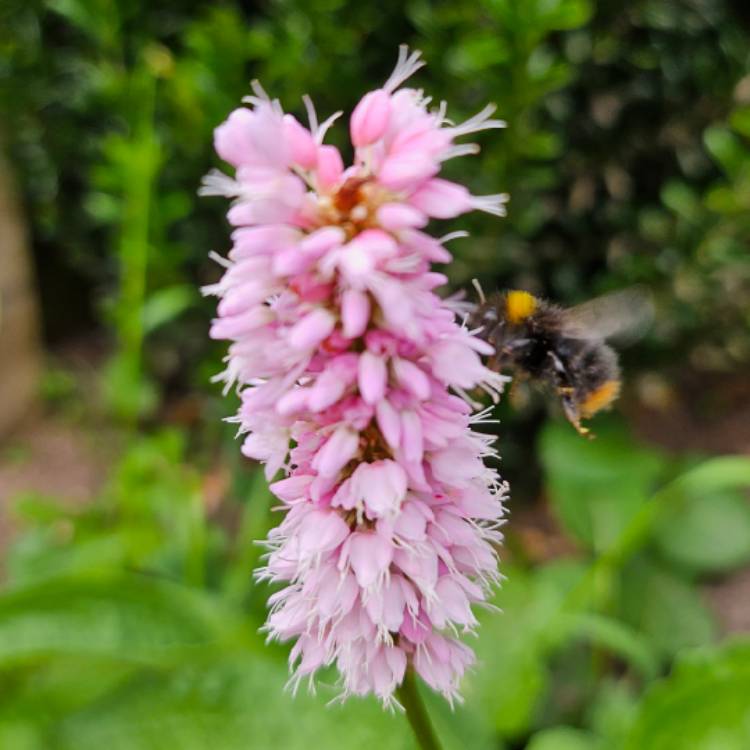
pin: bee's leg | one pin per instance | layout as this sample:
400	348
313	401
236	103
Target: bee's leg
566	391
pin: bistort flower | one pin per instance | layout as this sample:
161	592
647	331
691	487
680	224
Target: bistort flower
354	375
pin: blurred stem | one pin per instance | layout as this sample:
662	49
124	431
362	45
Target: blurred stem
254	525
195	553
137	175
416	713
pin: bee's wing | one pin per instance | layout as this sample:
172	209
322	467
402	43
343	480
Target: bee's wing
624	315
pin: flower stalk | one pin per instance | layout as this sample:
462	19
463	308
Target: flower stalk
416	713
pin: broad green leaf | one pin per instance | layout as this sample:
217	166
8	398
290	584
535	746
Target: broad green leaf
706	532
740	120
596	486
165	305
616	637
564	738
229	705
682	199
703	705
713	475
512	675
612	711
726	149
664	607
121	616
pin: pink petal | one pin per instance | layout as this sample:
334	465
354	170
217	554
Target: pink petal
312	329
373	377
322	531
395	216
355	313
389	423
442	199
330	166
412	378
369	555
406	169
370	118
301	143
411	436
292	488
338	450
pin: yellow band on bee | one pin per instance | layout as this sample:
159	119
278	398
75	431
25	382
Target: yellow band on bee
600	398
519	305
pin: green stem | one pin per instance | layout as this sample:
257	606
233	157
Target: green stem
408	694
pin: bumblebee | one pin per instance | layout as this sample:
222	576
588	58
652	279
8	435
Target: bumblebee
564	348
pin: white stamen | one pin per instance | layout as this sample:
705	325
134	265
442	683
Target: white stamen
406	66
220	259
460	234
312	117
325	125
491	204
217	183
463	149
259	90
475	283
480	121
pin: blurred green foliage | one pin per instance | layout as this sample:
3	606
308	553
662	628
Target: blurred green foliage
626	154
627	157
136	618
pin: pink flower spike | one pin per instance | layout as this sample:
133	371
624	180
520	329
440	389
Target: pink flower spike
370	118
353	371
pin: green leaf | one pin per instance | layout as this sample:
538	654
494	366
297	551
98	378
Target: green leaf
716	474
703	705
597	486
740	121
166	304
232	705
612	711
664	607
616	637
681	198
563	738
726	149
564	14
512	673
706	532
511	651
120	616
